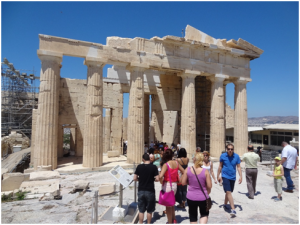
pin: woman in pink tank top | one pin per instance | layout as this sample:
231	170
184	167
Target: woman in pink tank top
165	179
195	197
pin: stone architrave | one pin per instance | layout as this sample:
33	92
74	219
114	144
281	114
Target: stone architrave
217	115
45	149
107	130
146	118
92	142
135	130
240	116
188	112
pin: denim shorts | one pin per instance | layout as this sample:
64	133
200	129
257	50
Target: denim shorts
146	201
228	185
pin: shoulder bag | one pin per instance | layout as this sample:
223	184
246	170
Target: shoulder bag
208	200
167	198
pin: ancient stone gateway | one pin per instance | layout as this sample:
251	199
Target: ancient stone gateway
185	77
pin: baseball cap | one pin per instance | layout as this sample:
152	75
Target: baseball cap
278	158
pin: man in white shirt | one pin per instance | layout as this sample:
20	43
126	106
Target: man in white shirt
289	158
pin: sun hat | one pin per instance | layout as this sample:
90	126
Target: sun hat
278	158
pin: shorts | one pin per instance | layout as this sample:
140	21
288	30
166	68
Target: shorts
278	185
228	185
146	201
193	207
166	187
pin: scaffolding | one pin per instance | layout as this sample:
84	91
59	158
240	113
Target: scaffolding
19	96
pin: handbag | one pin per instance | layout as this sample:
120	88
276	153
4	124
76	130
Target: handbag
208	200
167	198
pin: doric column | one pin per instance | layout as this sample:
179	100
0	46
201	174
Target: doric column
135	130
217	115
92	142
146	118
240	116
224	91
188	112
47	118
107	130
33	129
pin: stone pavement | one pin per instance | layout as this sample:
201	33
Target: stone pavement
76	208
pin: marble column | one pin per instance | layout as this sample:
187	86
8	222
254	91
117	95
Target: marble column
240	116
217	115
47	116
33	129
107	130
146	118
93	131
188	112
135	130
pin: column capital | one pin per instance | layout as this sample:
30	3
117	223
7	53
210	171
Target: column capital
137	67
98	62
49	55
242	80
189	74
217	78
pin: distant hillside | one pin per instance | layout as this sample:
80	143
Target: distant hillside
259	121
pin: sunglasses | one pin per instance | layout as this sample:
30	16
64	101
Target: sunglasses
230	149
205	155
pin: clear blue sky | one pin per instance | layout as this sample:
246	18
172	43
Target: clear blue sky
271	26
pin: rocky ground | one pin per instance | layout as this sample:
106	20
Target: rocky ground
76	208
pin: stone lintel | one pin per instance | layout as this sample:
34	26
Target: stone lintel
94	61
43	54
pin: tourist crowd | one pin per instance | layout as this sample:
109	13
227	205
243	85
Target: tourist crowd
169	166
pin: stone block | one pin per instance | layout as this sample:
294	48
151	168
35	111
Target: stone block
30	170
44	175
108	188
44	168
113	154
12	181
41	187
81	184
3	171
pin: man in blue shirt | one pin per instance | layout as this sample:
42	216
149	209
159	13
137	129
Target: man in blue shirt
228	163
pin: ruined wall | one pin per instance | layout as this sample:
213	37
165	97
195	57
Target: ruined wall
113	98
229	113
166	98
72	99
203	105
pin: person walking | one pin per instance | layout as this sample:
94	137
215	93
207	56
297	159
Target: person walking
228	163
195	196
251	159
173	166
183	160
157	158
289	158
146	174
208	165
277	174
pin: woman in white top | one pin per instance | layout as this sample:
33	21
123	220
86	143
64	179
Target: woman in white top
207	164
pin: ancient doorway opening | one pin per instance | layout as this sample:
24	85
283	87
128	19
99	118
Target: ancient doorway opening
69	140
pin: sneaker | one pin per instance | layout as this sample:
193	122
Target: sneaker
277	199
174	221
289	191
233	213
